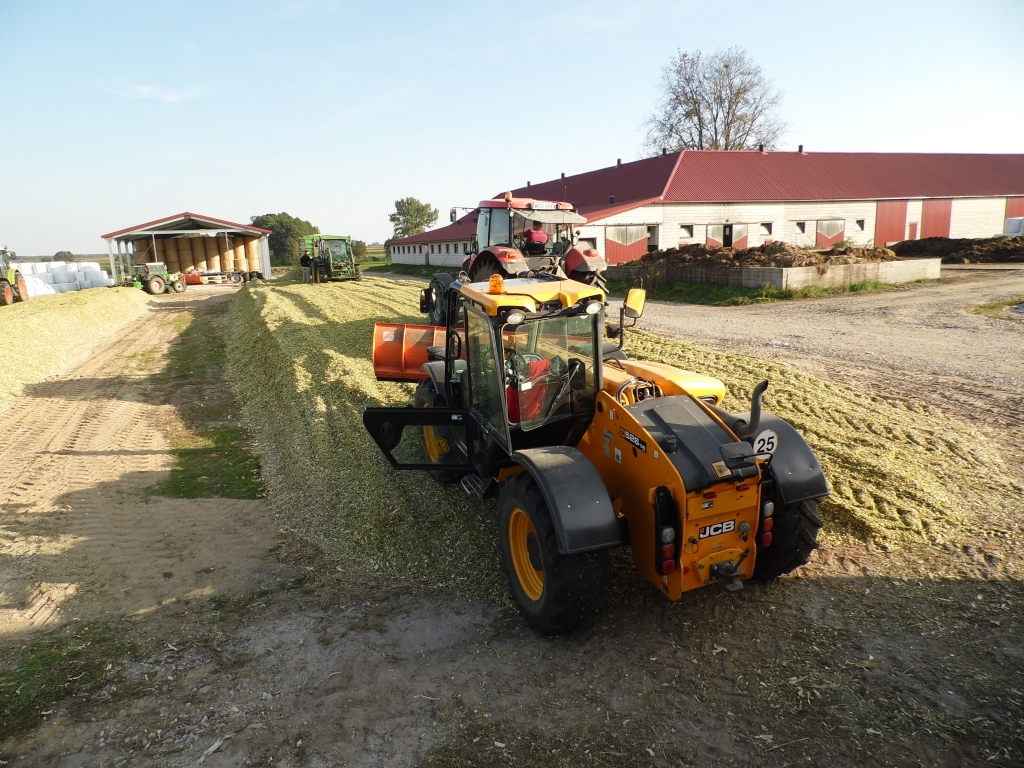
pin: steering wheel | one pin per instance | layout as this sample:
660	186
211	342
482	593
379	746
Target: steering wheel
519	241
517	364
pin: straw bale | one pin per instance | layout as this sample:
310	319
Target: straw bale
226	253
171	251
198	252
212	254
299	357
238	247
252	254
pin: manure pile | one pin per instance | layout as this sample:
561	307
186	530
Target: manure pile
776	254
963	250
300	361
44	334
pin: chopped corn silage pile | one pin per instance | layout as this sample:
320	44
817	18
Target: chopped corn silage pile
44	334
300	362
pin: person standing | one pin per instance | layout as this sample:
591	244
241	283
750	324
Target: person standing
307	266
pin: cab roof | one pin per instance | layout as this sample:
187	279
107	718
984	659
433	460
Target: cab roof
529	294
526	204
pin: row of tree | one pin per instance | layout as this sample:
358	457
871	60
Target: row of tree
708	101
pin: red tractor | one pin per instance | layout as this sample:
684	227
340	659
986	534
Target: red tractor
504	245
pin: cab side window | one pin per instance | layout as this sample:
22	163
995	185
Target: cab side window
486	388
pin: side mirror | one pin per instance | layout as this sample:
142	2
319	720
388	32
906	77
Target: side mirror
451	215
634	304
474	246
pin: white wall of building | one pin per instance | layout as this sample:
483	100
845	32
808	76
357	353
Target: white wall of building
407	254
977	216
445	254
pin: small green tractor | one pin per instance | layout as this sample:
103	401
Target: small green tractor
12	284
154	279
332	257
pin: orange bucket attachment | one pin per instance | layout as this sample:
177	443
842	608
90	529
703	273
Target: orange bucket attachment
400	351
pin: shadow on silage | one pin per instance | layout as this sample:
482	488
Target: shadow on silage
304	382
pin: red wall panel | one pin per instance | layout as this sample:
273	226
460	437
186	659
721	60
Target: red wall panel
1014	207
824	241
935	216
616	253
890	221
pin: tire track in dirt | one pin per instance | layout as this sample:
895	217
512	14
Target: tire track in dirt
76	534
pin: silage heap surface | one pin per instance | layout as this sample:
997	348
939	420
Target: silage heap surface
300	358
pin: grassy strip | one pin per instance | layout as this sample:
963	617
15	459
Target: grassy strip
300	360
1000	310
209	446
413	270
46	333
66	662
734	295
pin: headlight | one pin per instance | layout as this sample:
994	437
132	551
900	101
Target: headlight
515	317
594	307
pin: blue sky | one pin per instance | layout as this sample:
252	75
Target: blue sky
115	113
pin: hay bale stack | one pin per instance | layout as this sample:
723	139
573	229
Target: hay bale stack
185	253
141	248
212	254
252	253
198	253
239	252
226	254
171	254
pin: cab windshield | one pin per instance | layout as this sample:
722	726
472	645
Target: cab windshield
551	369
557	237
336	247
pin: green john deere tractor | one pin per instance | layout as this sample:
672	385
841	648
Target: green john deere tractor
12	284
154	279
332	258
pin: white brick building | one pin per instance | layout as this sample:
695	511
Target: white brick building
749	198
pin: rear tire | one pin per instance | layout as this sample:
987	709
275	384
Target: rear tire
428	397
20	287
155	285
558	596
6	293
794	538
483	271
438	291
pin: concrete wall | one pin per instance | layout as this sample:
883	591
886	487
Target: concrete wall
783	277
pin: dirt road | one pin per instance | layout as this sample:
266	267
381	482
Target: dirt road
278	656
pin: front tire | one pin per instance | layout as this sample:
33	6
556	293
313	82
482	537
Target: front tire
20	287
553	592
178	286
794	538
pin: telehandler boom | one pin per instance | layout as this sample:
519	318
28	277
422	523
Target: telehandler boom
521	399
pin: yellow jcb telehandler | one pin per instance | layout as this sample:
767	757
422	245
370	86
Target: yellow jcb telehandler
521	398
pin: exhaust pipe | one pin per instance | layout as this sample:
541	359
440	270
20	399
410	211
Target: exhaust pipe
743	428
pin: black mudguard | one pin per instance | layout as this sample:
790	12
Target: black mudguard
435	370
794	467
580	507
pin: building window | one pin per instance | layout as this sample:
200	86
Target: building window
766	228
686	230
860	225
447	247
801	227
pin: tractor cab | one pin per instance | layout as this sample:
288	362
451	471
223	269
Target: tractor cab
150	269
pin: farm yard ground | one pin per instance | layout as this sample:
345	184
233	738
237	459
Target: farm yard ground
279	652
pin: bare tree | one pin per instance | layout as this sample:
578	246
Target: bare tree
721	101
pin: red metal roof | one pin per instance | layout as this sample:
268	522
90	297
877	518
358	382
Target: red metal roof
182	216
712	176
463	229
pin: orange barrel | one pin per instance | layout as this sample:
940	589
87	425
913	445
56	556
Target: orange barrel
171	254
227	256
252	253
212	255
199	253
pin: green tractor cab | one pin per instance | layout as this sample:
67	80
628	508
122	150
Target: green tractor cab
154	279
332	258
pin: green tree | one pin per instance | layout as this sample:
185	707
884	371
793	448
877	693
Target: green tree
286	236
63	256
359	249
412	217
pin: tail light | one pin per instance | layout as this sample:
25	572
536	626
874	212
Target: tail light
766	539
668	566
767	524
666	529
668	552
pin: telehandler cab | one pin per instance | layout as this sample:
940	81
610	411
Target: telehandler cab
501	247
521	399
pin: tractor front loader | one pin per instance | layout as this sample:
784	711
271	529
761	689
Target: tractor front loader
502	246
521	398
12	284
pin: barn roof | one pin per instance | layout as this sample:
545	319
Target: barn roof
185	223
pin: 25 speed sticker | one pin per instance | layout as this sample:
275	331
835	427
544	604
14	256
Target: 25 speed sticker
766	442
